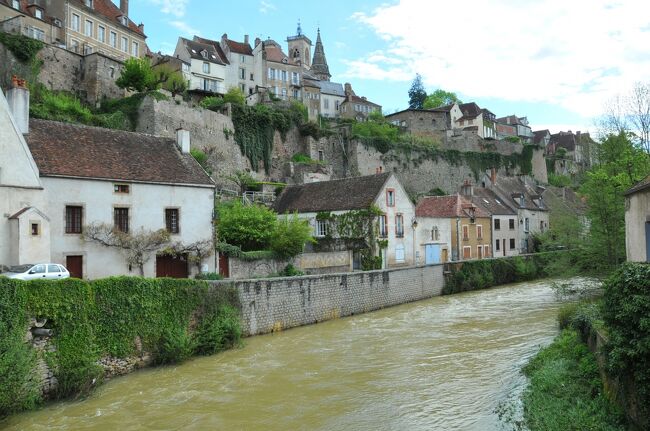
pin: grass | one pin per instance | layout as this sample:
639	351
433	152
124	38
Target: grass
565	391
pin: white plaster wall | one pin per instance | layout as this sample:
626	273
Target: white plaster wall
423	235
232	78
404	206
146	202
330	111
217	72
636	215
504	234
28	248
534	219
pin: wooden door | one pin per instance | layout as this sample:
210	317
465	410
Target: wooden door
172	266
75	266
480	252
224	265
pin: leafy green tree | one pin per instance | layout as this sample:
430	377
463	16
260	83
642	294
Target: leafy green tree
290	236
439	98
417	94
621	165
137	75
175	83
234	96
249	227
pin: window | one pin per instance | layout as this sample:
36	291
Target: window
321	155
511	224
88	3
252	77
399	253
479	251
121	188
486	250
284	75
526	224
89	28
185	67
541	225
75	22
73	219
295	78
512	243
271	74
101	34
242	73
242	87
435	234
336	105
383	226
37	33
399	226
134	49
390	197
125	44
121	219
206	67
113	39
465	232
35	229
15	4
88	49
467	252
322	228
171	220
296	94
498	245
242	59
479	231
38	13
284	93
38	269
53	268
204	54
497	224
326	103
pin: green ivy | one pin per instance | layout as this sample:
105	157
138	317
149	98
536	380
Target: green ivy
98	318
22	47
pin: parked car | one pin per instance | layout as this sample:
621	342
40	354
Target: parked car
47	271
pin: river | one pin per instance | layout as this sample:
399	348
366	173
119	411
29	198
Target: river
447	363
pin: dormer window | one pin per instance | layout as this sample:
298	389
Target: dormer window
38	13
521	201
124	20
204	54
15	4
88	3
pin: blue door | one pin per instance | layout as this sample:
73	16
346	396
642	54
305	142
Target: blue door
432	254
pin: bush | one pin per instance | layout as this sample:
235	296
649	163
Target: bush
291	271
138	75
248	227
213	103
202	158
219	331
208	276
559	180
175	346
290	236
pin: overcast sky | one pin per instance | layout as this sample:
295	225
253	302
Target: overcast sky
555	61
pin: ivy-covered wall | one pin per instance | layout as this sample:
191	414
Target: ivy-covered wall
84	325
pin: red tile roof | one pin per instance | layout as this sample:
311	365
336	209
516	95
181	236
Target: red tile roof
72	150
239	47
447	207
109	10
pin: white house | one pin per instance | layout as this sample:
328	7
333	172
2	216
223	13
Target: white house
207	71
383	191
59	178
332	95
637	222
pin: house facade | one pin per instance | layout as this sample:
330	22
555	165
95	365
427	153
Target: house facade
469	226
422	122
72	177
207	71
394	225
34	20
280	74
357	107
240	71
518	125
637	222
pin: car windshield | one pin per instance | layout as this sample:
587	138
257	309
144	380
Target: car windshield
20	268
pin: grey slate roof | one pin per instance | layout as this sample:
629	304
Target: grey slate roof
492	203
337	195
641	185
335	88
194	50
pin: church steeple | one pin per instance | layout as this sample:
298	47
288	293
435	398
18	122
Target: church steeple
319	65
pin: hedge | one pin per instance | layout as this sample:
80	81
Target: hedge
173	318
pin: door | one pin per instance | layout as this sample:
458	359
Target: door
171	266
445	256
647	241
431	254
224	265
38	271
479	249
504	246
54	272
74	264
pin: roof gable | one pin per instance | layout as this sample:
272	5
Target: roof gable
447	207
336	195
71	150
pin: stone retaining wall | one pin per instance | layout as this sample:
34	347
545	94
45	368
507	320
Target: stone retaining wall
276	304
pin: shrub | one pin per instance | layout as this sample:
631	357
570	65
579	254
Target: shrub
559	180
202	158
208	276
137	75
291	271
213	103
249	227
219	330
290	236
175	346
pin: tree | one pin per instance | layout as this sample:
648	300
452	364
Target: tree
290	236
234	96
172	81
439	98
242	179
137	75
629	113
417	94
137	247
249	227
196	251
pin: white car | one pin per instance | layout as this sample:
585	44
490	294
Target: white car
47	271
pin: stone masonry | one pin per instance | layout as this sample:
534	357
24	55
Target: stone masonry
275	304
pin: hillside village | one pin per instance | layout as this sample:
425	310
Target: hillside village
255	122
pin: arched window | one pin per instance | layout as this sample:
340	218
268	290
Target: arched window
435	234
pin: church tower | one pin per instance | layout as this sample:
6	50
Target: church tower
319	65
299	48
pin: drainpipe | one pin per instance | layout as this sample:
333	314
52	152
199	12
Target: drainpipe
457	238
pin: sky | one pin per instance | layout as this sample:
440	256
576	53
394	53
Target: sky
557	62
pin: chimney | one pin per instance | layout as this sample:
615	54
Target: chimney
467	189
124	7
246	39
348	89
141	27
183	140
493	176
257	41
18	100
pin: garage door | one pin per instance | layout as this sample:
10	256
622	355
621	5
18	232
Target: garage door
172	266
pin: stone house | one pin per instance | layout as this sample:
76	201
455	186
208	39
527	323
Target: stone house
519	125
422	122
357	107
240	71
480	121
207	72
58	178
637	222
432	234
81	26
332	96
505	234
541	138
572	152
394	225
280	75
468	226
526	199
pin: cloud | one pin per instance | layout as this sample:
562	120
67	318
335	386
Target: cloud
575	54
185	28
172	7
266	7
